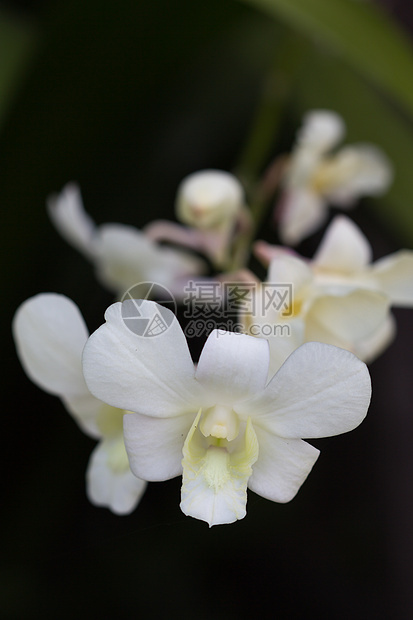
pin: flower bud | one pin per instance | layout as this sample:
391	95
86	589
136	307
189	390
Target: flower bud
209	199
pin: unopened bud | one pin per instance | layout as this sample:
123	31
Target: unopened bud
209	199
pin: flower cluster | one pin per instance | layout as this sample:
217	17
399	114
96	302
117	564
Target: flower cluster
239	418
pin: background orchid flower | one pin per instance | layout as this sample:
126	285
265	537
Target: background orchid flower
212	204
222	425
315	178
50	334
123	255
339	297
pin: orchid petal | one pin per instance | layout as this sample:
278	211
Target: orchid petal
319	391
290	269
50	334
395	275
342	320
368	349
321	130
85	410
150	375
154	445
232	366
126	256
343	248
286	339
282	466
71	220
302	213
214	485
355	171
109	480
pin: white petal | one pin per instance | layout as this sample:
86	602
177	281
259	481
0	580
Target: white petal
214	485
71	220
109	481
289	269
318	392
94	417
343	320
154	445
358	170
126	256
282	466
321	130
368	349
150	375
343	248
395	276
50	334
288	337
302	213
232	366
85	409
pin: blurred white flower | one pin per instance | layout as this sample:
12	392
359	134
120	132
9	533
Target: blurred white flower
339	297
123	256
315	177
212	204
50	334
221	424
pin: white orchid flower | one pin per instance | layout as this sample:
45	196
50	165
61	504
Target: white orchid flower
122	255
50	334
339	297
212	204
315	177
221	424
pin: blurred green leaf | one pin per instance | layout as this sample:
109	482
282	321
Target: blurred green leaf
17	41
275	92
360	33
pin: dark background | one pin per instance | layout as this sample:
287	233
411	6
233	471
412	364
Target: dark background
126	99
